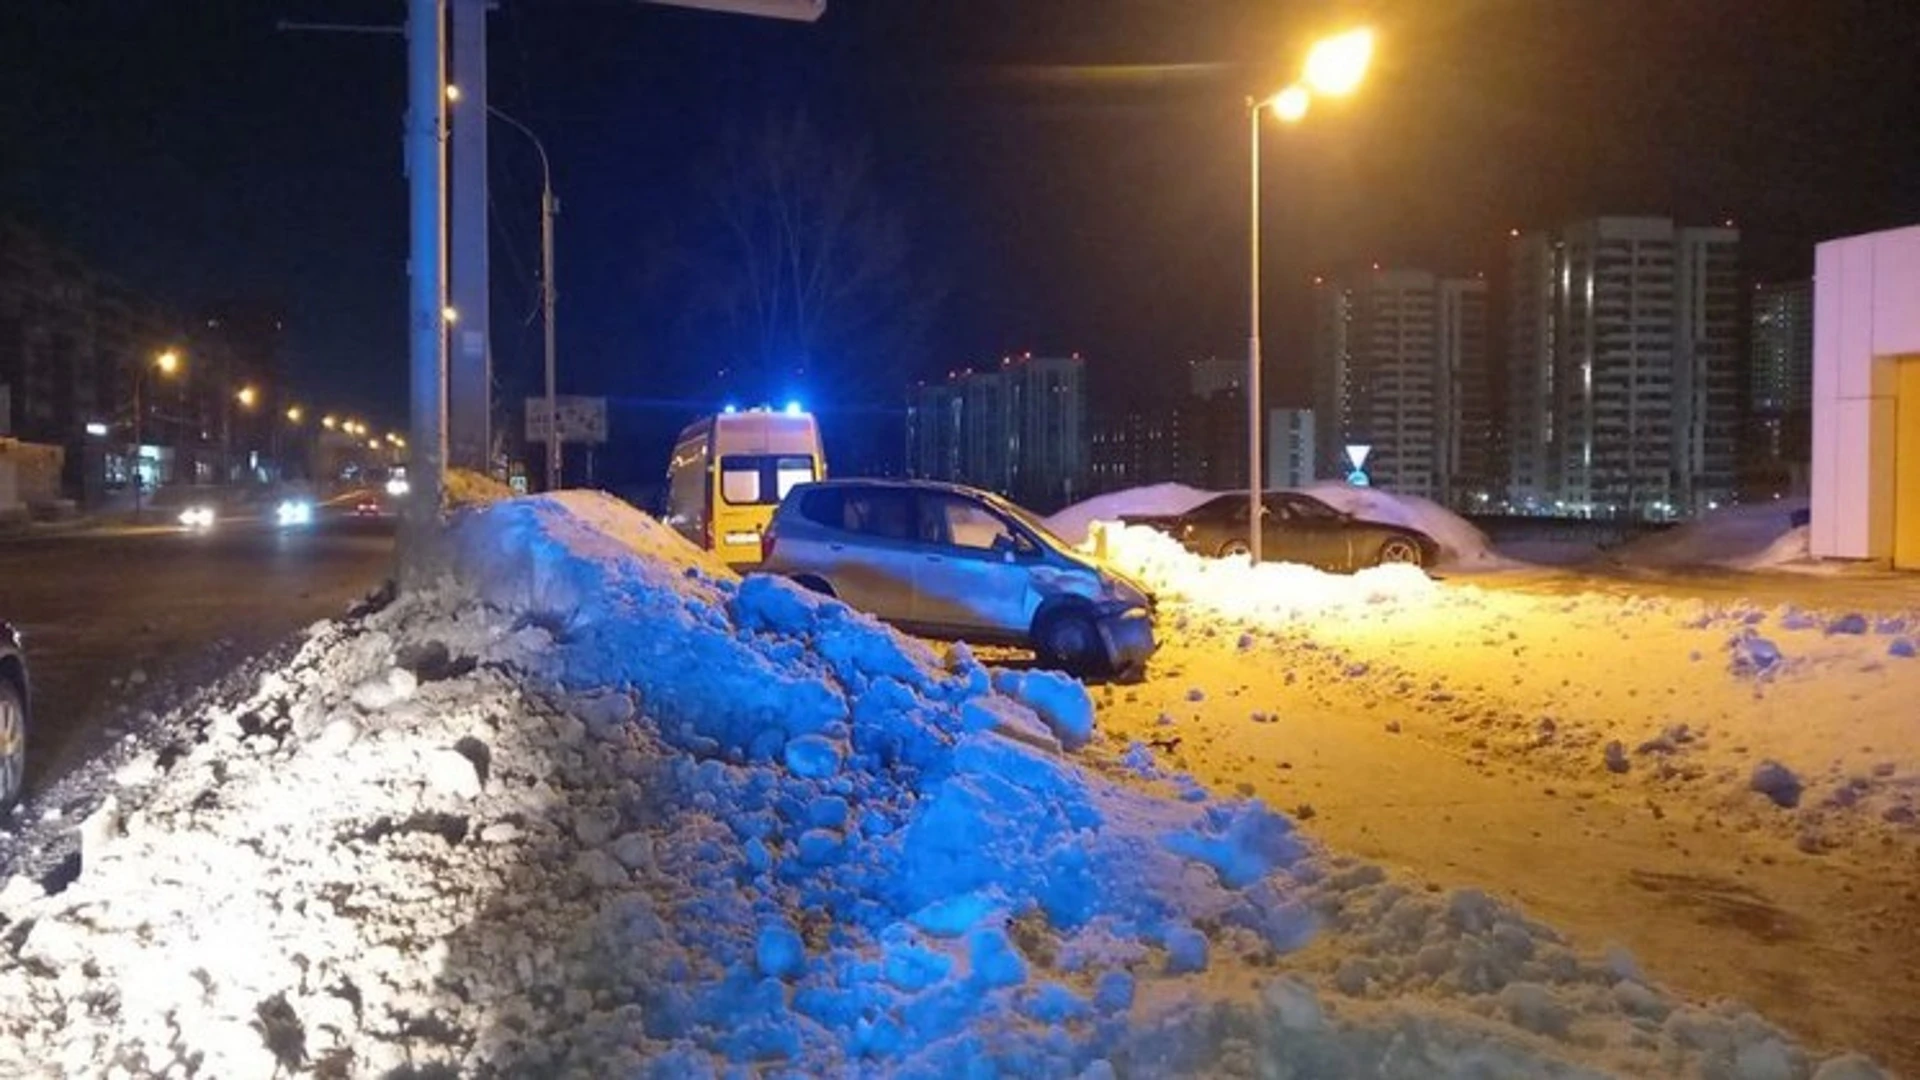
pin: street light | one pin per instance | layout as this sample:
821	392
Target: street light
166	363
329	422
247	396
294	413
1335	67
549	208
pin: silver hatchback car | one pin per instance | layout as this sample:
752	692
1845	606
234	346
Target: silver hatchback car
954	562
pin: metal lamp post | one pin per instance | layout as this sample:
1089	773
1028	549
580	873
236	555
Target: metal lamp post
166	363
549	209
1334	68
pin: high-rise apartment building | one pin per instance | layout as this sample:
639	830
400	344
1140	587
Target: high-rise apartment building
1209	378
1401	366
1623	369
1779	383
1019	429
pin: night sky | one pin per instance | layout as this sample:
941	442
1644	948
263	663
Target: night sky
1072	171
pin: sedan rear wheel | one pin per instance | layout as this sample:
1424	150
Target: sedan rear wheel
1235	547
13	744
1398	549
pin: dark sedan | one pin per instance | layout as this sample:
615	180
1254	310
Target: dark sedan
13	717
1297	528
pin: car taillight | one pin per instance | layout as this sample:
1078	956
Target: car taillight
766	543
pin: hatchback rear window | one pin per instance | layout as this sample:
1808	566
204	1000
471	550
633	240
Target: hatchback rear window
761	479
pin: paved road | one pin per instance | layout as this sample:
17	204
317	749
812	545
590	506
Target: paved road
176	607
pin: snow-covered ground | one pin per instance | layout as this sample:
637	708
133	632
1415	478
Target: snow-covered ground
600	808
1760	759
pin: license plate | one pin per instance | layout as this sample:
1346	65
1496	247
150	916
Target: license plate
743	538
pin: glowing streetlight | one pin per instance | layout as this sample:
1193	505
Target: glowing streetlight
166	363
294	413
373	444
247	396
329	422
453	92
397	441
1336	65
1290	105
449	314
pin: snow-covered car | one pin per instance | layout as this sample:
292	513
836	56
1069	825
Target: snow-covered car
1295	528
954	562
15	697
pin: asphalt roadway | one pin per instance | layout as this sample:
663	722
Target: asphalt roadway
116	619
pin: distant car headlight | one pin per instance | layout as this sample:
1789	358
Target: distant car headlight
398	486
294	512
197	517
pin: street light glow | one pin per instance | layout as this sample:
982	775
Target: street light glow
168	362
1337	64
247	396
329	422
453	92
449	314
1290	105
294	413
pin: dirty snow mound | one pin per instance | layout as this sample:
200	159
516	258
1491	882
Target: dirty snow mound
1073	523
1755	537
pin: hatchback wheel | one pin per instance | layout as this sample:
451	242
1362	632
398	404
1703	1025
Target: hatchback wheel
13	744
1069	641
1398	549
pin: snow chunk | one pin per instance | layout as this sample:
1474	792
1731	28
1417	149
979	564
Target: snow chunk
450	772
385	691
813	756
1059	700
1776	782
779	951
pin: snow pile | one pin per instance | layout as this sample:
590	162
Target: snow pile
1756	537
1270	594
604	809
1461	544
468	488
1075	523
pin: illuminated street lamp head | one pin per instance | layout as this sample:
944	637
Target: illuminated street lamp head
294	413
373	444
168	362
449	314
453	92
247	396
397	441
329	422
1290	105
1337	64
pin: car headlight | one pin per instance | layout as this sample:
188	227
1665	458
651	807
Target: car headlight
197	517
294	512
398	486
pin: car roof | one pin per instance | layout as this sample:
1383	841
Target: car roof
941	486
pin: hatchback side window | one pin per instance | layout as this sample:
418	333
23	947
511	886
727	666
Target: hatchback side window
962	523
884	513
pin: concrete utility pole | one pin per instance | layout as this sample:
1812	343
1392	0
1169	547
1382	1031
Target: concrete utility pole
427	299
470	385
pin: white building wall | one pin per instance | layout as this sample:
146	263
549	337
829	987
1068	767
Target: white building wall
1866	311
1291	461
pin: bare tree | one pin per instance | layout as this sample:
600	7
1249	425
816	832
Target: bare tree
805	281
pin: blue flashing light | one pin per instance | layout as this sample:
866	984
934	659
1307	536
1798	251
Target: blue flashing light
730	409
793	408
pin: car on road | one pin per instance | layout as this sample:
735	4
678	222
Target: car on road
954	562
15	699
1296	528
